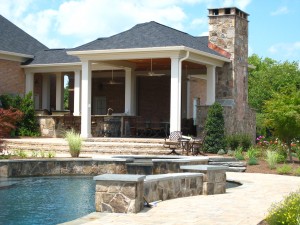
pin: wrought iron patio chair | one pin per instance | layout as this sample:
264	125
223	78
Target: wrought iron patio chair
173	142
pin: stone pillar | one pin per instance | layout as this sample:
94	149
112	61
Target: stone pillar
29	83
130	86
211	85
119	193
175	97
86	89
46	92
59	92
77	93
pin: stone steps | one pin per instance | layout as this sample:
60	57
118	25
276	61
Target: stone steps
92	146
233	164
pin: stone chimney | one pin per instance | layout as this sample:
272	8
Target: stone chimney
228	30
228	35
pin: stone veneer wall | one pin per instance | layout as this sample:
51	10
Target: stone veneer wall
170	186
55	126
214	179
49	167
119	193
163	166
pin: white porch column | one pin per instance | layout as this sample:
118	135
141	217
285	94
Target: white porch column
46	92
86	99
130	86
211	85
29	85
188	98
59	91
175	104
76	93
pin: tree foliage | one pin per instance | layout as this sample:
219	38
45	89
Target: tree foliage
282	115
269	77
214	129
27	126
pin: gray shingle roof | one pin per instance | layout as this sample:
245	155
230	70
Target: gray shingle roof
14	39
145	35
52	56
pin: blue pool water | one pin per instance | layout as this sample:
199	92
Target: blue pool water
45	200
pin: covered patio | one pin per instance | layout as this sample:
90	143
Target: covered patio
134	82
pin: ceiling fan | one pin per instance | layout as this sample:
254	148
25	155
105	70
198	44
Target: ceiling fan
151	73
112	82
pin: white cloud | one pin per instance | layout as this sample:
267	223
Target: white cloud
14	8
242	4
286	50
280	11
73	22
92	18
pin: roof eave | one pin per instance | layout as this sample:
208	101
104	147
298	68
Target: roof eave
51	65
82	54
19	57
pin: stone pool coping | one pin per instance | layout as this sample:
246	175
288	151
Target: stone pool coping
247	205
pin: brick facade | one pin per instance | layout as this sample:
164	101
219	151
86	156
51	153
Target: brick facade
12	77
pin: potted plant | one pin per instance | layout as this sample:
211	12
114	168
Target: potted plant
74	141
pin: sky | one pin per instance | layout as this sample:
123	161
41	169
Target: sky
274	25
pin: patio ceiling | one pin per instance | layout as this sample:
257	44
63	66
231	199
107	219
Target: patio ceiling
162	64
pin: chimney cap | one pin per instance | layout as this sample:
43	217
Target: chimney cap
228	11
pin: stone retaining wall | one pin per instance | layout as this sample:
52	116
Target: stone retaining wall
214	180
169	186
117	193
49	167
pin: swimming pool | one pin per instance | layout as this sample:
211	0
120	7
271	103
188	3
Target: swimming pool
46	200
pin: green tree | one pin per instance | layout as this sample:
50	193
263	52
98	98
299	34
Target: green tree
282	115
268	77
66	96
214	129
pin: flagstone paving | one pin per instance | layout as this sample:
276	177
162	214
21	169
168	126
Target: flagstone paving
245	205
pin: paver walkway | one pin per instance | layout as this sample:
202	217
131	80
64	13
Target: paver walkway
245	205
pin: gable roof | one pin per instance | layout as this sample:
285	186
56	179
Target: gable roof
147	35
15	40
52	56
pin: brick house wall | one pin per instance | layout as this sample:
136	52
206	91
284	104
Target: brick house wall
12	77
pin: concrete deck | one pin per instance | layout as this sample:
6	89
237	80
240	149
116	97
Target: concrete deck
244	205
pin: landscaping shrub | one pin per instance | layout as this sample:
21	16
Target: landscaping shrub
245	141
221	152
8	119
271	159
285	212
252	161
238	154
28	125
251	155
233	141
298	153
214	129
230	153
284	169
297	171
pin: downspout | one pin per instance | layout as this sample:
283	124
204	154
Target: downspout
180	84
